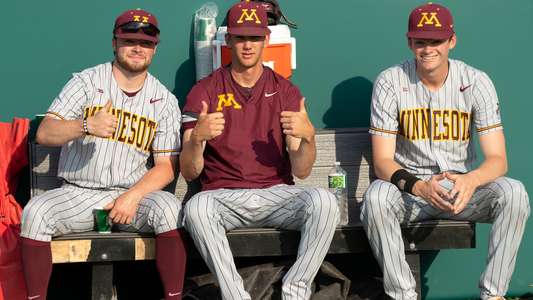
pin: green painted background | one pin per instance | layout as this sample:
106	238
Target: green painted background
341	48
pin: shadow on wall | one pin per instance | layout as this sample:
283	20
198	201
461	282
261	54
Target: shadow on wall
350	104
186	74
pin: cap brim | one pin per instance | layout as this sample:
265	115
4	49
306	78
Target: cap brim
249	31
436	35
137	36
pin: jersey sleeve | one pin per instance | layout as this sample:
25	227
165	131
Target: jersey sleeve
292	96
167	138
486	108
193	106
71	101
383	109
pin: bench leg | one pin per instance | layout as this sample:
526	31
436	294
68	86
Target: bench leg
102	281
413	259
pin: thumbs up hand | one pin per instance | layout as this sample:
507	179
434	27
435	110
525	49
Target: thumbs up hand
209	126
297	124
102	124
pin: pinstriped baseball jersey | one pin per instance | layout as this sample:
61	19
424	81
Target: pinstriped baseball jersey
148	123
433	130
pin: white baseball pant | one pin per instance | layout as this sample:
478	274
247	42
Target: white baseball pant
69	209
503	202
314	211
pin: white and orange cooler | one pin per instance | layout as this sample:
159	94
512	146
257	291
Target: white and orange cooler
279	56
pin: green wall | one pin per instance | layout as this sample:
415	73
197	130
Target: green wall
341	48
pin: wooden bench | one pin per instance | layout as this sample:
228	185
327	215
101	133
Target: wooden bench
350	146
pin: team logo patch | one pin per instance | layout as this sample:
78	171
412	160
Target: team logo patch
137	18
403	89
249	17
429	21
230	101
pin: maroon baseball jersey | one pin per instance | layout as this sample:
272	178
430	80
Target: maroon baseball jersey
251	151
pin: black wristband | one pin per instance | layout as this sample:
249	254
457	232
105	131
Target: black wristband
404	180
85	126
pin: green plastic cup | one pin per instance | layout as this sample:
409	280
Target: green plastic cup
204	27
102	220
39	118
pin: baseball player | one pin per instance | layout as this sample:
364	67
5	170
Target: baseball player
246	131
424	154
110	120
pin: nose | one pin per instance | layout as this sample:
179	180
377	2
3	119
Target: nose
428	49
247	44
137	47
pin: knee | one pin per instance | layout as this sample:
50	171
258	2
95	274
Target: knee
32	212
166	202
375	196
196	212
515	197
323	203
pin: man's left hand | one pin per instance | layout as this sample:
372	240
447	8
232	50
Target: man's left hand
122	209
297	124
464	187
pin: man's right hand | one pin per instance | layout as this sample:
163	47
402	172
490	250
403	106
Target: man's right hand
102	124
431	192
209	126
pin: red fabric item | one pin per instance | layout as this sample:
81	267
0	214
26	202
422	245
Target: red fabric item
37	265
170	259
13	145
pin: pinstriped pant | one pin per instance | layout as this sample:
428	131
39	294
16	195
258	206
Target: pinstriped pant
503	202
69	209
314	211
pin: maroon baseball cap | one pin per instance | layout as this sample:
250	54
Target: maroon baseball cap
430	21
137	24
247	18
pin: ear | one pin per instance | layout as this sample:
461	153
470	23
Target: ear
453	41
227	38
267	41
114	44
410	43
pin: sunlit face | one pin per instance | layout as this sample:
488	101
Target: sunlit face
134	55
246	51
431	54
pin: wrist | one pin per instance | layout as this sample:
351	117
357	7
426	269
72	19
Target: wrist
404	181
85	126
310	137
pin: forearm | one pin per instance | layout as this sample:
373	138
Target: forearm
492	167
191	158
385	168
495	163
157	178
302	160
54	133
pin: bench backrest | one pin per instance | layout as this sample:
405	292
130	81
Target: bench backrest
351	146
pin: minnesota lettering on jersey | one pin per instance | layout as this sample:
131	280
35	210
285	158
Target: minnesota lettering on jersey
438	125
132	129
